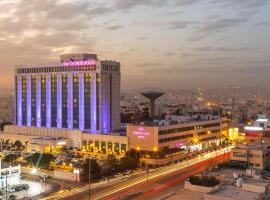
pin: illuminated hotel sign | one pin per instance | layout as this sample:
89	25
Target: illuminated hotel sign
61	143
80	63
251	128
251	131
141	133
179	144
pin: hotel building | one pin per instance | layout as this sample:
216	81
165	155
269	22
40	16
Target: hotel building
80	92
70	103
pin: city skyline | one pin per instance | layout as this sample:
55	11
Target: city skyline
197	43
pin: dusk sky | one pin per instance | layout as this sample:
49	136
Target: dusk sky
160	43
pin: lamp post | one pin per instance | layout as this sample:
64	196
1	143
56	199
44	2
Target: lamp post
89	178
6	185
147	170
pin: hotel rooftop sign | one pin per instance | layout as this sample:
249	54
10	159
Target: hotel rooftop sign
79	63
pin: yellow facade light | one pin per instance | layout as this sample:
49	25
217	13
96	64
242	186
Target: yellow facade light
195	140
138	148
208	132
155	149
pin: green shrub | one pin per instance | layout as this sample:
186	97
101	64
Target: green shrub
207	181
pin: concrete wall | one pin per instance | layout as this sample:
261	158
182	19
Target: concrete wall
212	197
197	188
253	188
68	176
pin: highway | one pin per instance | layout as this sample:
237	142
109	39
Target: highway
168	184
118	189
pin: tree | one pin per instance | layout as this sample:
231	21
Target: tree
18	144
10	158
113	163
95	170
41	160
131	160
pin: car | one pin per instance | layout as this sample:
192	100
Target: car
118	175
46	176
127	172
12	197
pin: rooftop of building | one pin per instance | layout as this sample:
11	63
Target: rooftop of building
231	191
179	120
250	189
252	146
77	59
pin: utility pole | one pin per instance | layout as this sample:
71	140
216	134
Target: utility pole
147	171
89	178
6	186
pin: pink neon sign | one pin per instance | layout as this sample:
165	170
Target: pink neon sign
179	144
141	133
80	63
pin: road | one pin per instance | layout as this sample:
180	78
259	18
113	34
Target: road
163	185
192	166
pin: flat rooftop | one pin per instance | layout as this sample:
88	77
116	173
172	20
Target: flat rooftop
161	123
236	193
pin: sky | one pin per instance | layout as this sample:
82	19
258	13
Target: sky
167	44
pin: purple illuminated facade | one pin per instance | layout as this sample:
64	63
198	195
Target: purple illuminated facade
81	92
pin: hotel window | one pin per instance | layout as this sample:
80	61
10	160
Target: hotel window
64	100
97	99
54	100
109	146
116	147
75	101
24	104
87	101
103	147
43	100
97	145
123	147
33	99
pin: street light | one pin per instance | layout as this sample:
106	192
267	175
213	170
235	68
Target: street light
34	171
89	178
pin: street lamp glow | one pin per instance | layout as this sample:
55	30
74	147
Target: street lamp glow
155	149
34	171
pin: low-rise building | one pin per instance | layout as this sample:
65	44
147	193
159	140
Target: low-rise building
49	139
255	156
10	175
170	137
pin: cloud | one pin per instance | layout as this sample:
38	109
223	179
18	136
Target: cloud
169	54
140	38
247	4
185	2
129	4
261	24
220	25
179	24
224	49
114	27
